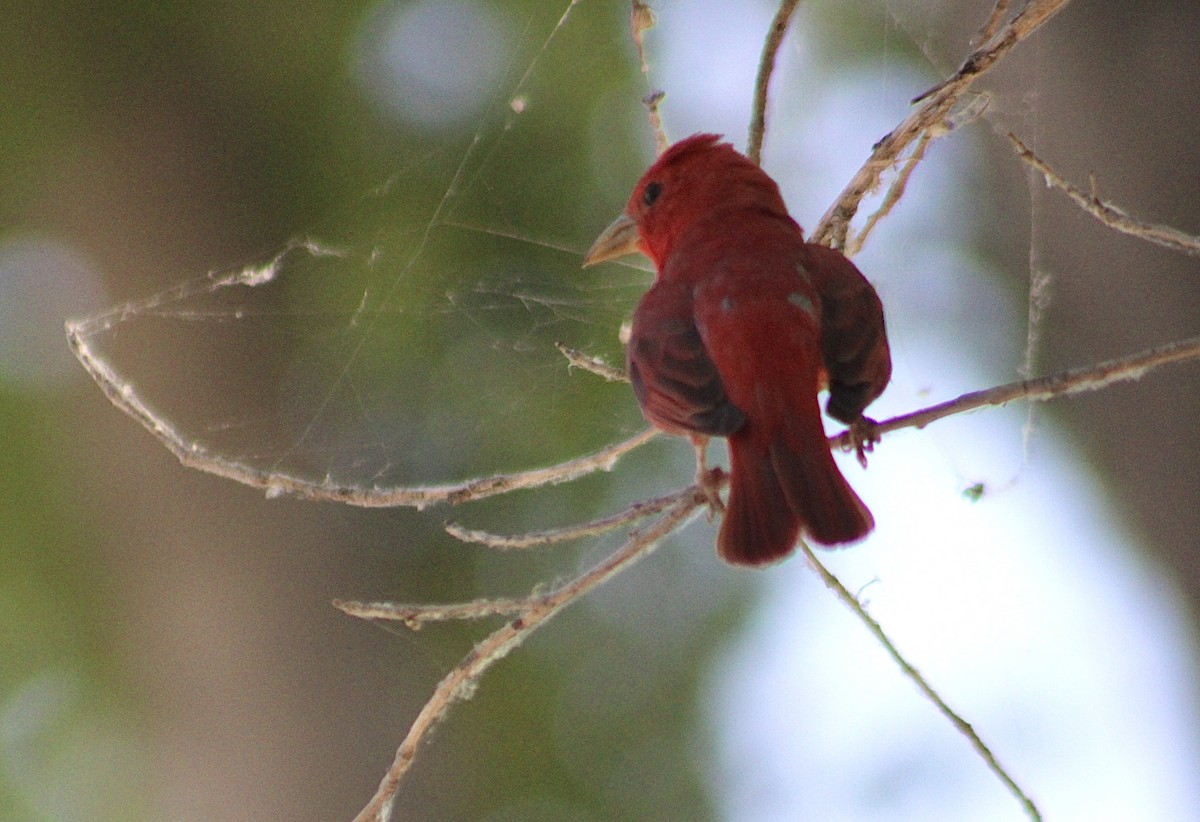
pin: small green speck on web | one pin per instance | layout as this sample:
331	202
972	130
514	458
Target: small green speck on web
974	493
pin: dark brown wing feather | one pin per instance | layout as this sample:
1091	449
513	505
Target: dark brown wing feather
853	337
676	383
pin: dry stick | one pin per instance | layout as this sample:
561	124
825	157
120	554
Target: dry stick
276	483
460	682
1107	213
993	23
936	105
894	193
641	20
960	724
414	617
636	511
766	67
593	365
1071	381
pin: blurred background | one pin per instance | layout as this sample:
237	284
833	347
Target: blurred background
425	176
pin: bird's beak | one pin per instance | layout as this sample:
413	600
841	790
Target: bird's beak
618	239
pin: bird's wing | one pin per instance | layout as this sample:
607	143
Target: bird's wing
673	376
853	337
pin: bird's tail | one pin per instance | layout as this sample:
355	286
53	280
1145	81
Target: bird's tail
789	485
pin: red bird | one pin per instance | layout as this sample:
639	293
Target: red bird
744	325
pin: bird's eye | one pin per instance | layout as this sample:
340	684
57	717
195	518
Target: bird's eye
651	193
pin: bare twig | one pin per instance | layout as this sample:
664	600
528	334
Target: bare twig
415	616
277	483
653	102
1107	213
460	683
1072	381
936	104
593	365
634	512
894	193
960	724
641	20
766	67
999	12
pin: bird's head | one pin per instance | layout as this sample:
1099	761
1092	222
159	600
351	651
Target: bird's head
696	179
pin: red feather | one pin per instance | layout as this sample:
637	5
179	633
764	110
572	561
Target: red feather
743	327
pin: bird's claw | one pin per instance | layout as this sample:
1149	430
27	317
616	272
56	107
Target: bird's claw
709	481
864	434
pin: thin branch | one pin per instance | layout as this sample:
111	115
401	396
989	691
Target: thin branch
653	103
1107	213
936	105
1071	381
415	616
960	724
460	683
894	193
641	20
593	365
277	483
634	512
999	12
766	67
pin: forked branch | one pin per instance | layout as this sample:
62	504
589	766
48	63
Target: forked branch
537	610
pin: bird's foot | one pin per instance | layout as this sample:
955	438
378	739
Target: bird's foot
864	434
709	481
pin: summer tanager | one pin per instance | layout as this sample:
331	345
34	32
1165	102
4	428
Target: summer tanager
744	325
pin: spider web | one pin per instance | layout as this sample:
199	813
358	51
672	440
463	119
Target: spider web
413	337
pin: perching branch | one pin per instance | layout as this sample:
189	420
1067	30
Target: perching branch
1072	381
1107	213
